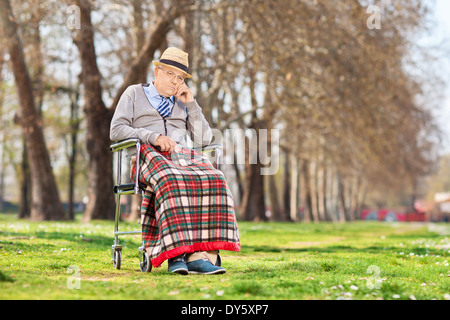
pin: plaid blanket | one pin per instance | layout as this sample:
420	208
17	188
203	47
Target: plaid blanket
187	206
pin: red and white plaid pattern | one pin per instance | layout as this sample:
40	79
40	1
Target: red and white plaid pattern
187	206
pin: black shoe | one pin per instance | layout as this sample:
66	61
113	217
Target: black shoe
178	265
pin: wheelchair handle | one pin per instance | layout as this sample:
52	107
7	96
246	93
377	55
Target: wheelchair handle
124	144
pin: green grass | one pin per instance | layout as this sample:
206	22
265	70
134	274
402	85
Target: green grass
278	261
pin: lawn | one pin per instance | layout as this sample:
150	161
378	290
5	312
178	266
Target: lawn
278	261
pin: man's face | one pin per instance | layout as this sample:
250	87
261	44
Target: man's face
167	80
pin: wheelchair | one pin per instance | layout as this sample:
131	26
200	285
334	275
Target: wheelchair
136	188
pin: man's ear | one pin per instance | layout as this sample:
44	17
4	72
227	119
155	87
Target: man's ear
156	72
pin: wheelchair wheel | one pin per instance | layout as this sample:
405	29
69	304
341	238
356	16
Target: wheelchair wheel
117	259
145	264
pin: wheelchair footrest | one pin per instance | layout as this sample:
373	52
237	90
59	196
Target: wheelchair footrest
122	188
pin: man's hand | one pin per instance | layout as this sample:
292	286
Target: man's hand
184	94
165	143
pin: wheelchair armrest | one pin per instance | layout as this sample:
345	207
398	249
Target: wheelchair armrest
124	144
131	142
208	148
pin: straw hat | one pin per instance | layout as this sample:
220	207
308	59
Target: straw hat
175	58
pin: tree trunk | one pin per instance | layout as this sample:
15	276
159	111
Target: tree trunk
276	213
25	188
333	196
312	168
74	127
101	204
308	195
354	194
253	206
253	203
293	203
325	202
341	198
100	196
2	158
239	182
46	203
287	188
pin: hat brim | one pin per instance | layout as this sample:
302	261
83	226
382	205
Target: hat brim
157	63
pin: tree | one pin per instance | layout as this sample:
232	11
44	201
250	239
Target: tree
338	90
352	126
46	204
98	116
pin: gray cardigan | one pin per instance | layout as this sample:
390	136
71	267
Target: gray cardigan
135	117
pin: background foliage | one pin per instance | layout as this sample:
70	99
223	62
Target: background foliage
355	106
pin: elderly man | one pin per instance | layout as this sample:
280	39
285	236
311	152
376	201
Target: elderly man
187	210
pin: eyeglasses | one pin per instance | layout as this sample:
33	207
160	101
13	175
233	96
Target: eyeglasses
172	75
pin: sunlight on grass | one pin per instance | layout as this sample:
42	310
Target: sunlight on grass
278	261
